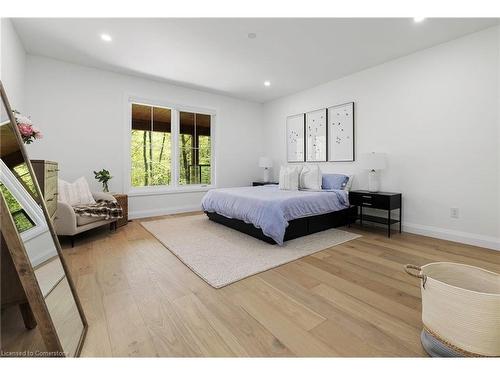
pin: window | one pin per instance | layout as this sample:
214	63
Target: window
170	148
194	148
150	145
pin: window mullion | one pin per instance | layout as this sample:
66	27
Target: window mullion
175	120
194	152
150	137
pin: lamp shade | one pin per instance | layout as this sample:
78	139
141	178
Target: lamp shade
373	160
265	162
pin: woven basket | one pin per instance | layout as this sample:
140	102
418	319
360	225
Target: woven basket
461	306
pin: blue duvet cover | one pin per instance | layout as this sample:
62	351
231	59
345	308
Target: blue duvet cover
269	208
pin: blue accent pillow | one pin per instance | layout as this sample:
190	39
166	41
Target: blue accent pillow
334	181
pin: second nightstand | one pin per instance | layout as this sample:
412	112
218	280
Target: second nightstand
380	200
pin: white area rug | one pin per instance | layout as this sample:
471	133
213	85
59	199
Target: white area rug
221	255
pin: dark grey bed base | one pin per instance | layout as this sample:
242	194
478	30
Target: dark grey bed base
296	228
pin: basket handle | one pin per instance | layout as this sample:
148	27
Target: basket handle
409	267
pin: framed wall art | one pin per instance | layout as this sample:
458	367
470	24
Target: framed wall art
341	132
295	140
316	135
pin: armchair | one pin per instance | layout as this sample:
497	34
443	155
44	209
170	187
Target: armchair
67	223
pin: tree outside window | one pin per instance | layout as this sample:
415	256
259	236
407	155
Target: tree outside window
152	142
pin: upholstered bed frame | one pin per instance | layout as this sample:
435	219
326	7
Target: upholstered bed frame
296	228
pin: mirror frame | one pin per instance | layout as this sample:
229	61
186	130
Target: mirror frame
23	264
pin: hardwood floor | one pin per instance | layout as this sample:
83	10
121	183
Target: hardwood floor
353	299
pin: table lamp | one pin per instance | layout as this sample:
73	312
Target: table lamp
267	164
373	161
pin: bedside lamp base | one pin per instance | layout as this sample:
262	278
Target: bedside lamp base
266	175
373	185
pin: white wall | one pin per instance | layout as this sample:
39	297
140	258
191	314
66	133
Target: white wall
12	64
81	112
435	113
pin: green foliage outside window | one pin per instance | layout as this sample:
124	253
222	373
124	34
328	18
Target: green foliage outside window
151	158
205	158
151	154
24	176
21	219
194	163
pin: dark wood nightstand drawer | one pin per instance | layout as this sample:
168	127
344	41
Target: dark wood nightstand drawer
370	200
261	183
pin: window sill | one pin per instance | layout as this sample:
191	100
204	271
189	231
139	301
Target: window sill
137	192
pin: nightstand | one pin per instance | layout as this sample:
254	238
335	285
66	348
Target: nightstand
261	183
380	200
122	200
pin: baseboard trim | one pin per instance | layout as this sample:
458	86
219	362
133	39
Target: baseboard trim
163	211
453	235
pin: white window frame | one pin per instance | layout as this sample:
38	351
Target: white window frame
32	209
174	187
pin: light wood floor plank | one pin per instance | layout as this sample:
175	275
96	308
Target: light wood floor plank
171	337
408	335
371	264
369	297
303	316
301	342
431	255
257	340
406	294
447	247
357	329
194	316
97	340
127	331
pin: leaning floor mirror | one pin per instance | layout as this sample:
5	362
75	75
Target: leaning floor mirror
35	283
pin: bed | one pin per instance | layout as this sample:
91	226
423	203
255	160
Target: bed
274	215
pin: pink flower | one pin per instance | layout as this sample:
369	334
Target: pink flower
26	130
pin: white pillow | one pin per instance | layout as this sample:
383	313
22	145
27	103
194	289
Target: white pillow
310	177
75	193
347	187
289	178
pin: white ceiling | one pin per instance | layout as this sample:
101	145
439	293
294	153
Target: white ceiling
217	55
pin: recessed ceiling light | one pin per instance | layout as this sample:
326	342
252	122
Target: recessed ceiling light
106	37
267	83
418	19
252	35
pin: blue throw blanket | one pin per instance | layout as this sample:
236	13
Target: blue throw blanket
269	208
